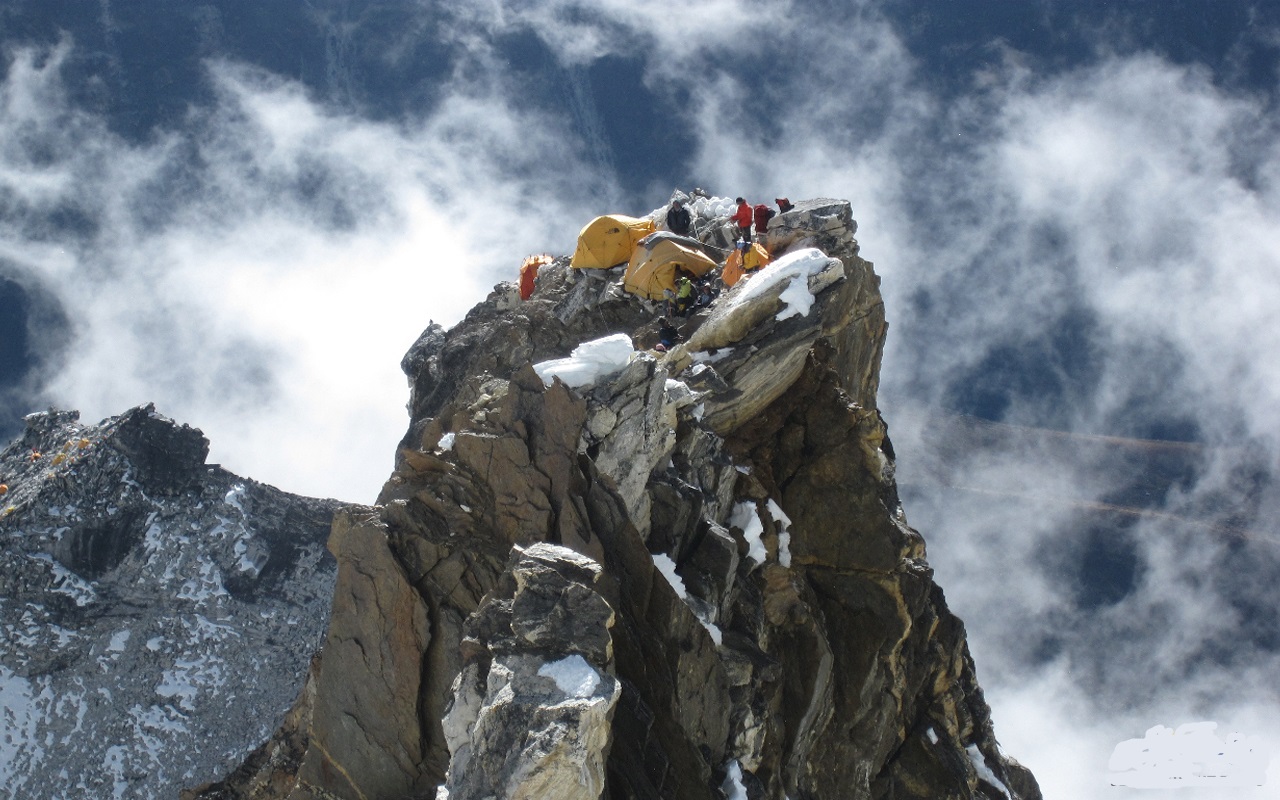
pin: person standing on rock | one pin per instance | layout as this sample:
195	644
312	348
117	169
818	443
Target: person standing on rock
784	205
762	214
686	295
678	219
743	217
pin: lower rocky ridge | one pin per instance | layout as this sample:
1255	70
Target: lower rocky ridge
690	578
158	612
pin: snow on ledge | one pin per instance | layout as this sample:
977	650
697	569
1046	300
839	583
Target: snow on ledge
796	297
573	676
589	361
745	518
668	569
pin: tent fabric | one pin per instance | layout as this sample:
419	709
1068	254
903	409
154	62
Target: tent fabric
652	270
738	265
529	273
610	240
711	251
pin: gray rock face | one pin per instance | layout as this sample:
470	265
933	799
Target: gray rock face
158	613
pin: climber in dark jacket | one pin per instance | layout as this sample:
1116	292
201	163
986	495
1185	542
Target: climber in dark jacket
668	336
678	219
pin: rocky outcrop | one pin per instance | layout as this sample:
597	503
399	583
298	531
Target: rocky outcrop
158	612
688	572
531	709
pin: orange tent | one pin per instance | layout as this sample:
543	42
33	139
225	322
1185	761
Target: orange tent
738	265
529	273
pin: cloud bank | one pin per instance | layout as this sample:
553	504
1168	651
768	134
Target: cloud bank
256	272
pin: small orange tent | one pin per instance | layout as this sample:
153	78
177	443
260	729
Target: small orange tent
609	241
652	268
529	273
738	264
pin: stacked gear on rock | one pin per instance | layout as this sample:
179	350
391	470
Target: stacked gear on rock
762	214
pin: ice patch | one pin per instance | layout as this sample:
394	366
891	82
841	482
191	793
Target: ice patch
745	518
114	764
784	548
984	772
67	582
732	785
714	630
232	497
118	640
207	585
702	610
25	705
703	357
668	569
784	536
446	442
573	675
188	677
589	361
707	208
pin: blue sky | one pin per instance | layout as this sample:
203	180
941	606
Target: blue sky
246	213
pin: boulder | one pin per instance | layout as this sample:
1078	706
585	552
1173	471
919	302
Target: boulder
531	710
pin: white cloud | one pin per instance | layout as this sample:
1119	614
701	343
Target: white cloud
258	273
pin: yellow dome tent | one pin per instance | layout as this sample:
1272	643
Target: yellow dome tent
609	241
653	265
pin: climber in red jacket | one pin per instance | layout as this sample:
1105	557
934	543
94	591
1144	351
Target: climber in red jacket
743	217
762	215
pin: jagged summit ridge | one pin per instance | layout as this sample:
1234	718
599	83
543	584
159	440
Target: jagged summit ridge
771	620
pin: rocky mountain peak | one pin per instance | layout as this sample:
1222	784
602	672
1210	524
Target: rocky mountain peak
601	569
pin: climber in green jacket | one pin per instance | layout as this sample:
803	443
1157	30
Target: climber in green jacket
685	294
